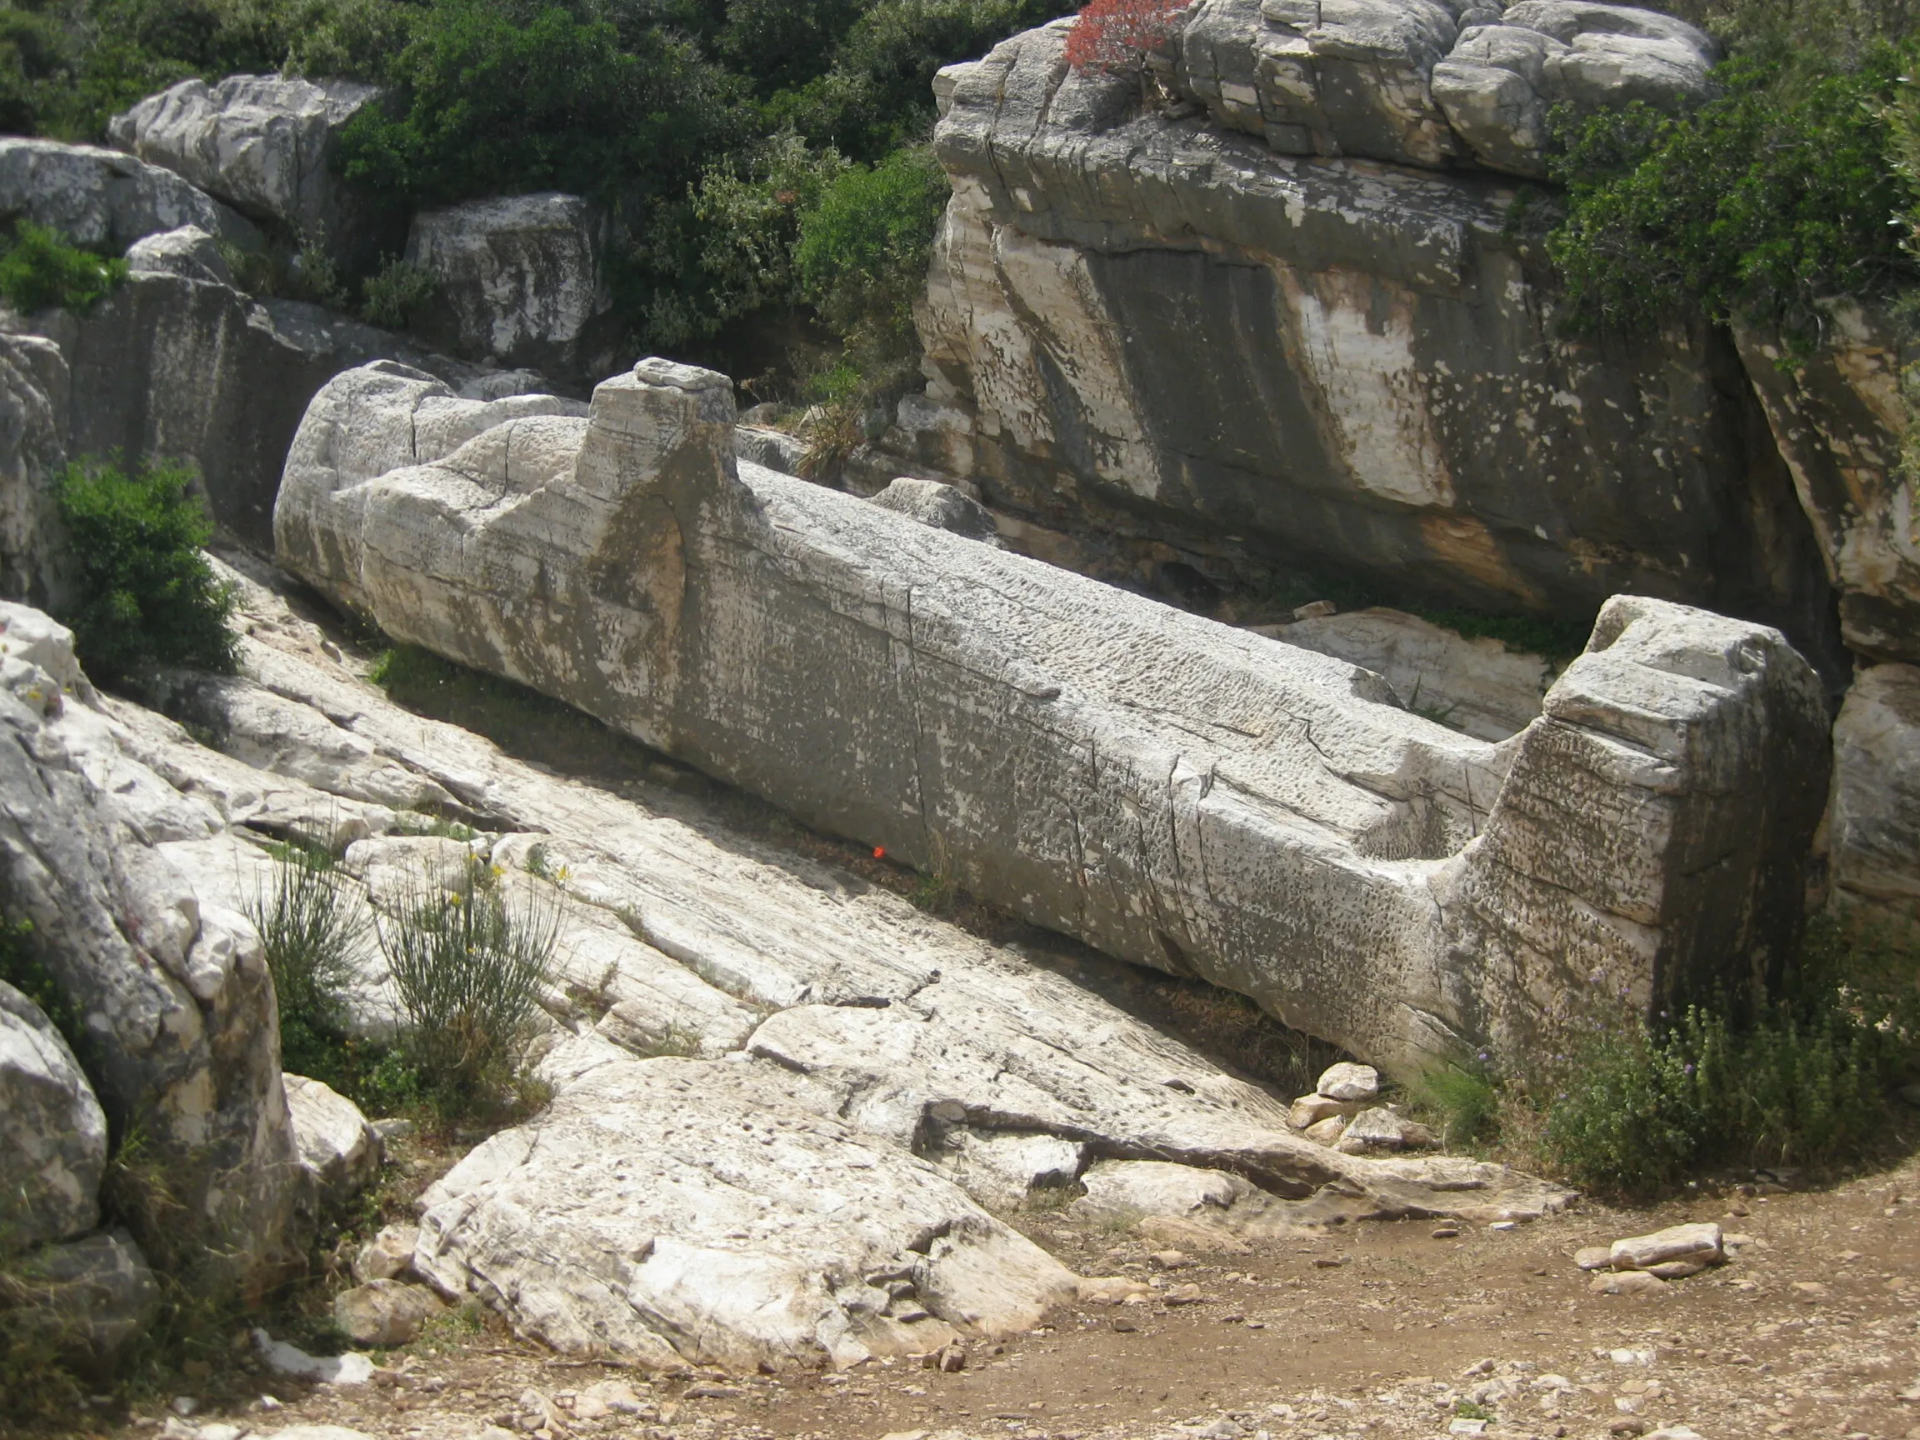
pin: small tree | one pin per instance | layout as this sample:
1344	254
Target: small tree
1114	36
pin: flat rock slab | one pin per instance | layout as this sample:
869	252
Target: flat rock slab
676	1212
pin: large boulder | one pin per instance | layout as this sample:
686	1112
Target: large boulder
189	253
52	1131
175	365
1175	792
174	996
521	278
262	143
98	1294
34	394
1420	82
104	200
1839	418
1162	331
1874	825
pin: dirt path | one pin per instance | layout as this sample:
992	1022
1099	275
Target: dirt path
1374	1331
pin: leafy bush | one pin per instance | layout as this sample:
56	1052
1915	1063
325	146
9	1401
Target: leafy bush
1116	35
1797	1079
310	921
469	964
517	95
395	296
1759	204
40	271
143	593
862	250
1462	1098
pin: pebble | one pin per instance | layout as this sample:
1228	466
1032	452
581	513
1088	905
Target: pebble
1446	1232
1594	1257
1631	1282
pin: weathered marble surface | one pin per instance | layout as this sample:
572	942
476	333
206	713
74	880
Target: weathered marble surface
172	992
866	1044
261	143
1839	418
1172	791
1874	825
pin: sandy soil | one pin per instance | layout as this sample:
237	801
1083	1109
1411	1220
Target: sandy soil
1378	1330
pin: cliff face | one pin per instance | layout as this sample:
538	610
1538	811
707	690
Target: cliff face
1152	324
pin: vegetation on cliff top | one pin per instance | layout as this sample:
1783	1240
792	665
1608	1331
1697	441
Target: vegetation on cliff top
724	136
1791	188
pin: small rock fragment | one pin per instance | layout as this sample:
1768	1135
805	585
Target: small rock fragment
1113	1290
388	1256
1593	1257
1627	1282
1446	1232
1312	1109
1347	1081
1326	1131
1701	1242
383	1312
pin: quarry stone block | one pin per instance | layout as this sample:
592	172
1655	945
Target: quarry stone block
1175	792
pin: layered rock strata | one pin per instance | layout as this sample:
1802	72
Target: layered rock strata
1174	792
1161	328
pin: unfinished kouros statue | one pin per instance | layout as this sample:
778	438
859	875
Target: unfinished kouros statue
1173	791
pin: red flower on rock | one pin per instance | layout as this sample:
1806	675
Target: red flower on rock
1115	35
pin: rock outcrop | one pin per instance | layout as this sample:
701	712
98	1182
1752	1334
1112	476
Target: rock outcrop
1159	328
261	143
34	395
178	365
103	200
520	278
173	995
1215	803
1479	686
52	1129
1839	417
1874	824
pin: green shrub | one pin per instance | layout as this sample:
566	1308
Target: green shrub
143	593
1462	1099
517	95
395	296
1800	1077
469	962
1758	204
40	271
310	922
